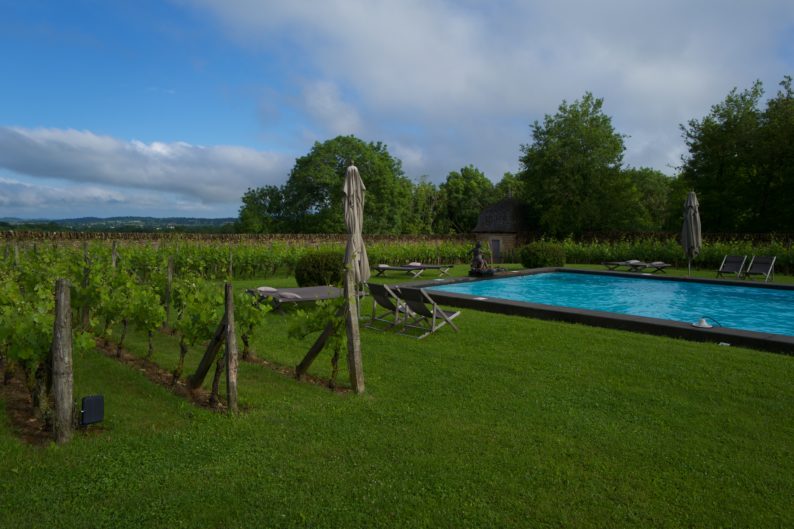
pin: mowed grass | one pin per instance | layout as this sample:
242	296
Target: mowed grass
511	422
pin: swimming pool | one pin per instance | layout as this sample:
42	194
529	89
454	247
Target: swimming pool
744	308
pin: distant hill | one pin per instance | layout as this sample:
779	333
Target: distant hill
122	223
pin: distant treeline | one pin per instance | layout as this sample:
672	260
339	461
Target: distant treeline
740	162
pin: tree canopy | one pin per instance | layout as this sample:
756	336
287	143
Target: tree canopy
311	199
571	172
741	162
464	195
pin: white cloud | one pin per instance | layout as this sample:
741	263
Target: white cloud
452	69
209	175
324	103
24	196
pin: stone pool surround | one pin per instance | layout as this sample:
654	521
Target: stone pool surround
777	343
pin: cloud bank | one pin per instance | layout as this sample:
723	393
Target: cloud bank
460	82
182	173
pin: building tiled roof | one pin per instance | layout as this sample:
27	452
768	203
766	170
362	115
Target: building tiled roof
509	215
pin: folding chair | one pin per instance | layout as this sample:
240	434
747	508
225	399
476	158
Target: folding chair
386	298
421	317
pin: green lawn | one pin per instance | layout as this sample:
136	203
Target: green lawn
512	422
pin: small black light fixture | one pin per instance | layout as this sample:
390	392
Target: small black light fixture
92	409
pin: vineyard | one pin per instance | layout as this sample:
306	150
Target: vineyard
149	286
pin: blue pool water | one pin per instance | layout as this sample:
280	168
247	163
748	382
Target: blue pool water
753	309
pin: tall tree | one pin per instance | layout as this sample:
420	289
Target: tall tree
311	199
425	205
722	163
775	187
572	172
262	211
654	193
509	186
464	195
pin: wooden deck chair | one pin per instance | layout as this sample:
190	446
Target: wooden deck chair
732	265
385	298
428	320
761	266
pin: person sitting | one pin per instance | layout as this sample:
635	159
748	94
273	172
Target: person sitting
478	262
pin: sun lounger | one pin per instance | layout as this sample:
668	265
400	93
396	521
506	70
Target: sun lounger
658	266
761	266
295	295
635	265
732	265
427	320
415	269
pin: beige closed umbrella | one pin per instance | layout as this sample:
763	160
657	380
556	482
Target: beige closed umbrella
691	239
357	271
355	253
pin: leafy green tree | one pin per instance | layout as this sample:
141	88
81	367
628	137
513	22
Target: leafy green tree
679	189
654	191
262	211
722	163
313	194
464	195
572	172
509	186
425	204
775	184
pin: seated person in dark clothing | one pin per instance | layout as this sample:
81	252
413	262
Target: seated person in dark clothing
478	261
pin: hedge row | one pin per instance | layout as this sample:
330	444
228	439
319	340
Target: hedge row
670	251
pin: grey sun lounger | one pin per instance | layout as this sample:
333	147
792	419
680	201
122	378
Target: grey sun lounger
732	265
635	265
296	295
658	266
426	320
761	266
413	269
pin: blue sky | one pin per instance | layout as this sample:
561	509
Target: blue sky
176	108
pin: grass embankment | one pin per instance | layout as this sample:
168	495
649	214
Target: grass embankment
512	422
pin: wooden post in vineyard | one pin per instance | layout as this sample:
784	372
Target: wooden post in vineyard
84	311
230	269
355	369
62	377
114	255
168	285
231	352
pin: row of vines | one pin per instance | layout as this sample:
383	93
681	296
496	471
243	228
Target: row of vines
149	286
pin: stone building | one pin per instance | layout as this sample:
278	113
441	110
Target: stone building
501	227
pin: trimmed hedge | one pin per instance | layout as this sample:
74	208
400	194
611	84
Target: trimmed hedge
323	267
670	251
541	254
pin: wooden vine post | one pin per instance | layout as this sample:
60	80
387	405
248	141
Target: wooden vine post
62	377
85	316
114	255
354	364
168	286
231	352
